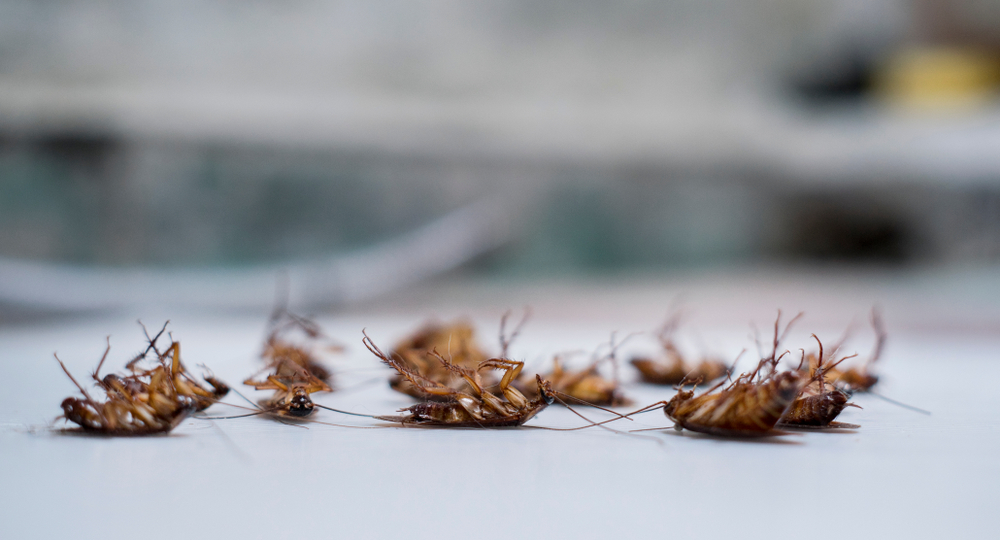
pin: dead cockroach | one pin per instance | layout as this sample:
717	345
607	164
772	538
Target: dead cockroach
130	409
744	409
280	347
670	368
749	407
819	403
585	386
169	362
292	385
477	407
858	379
457	339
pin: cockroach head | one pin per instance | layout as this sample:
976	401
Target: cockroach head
300	404
545	390
681	397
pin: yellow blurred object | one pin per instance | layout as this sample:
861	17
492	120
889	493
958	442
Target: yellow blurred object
939	78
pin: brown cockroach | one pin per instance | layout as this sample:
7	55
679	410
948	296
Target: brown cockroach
477	407
819	403
292	385
457	338
155	407
746	408
750	406
278	347
671	369
586	386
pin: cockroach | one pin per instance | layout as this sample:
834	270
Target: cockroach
670	368
744	409
292	385
819	403
279	347
457	339
157	408
750	406
586	386
477	407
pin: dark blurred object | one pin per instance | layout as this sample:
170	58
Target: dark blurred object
849	78
848	229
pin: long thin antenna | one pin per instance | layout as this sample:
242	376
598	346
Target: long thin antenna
101	363
70	375
587	403
505	341
899	403
344	412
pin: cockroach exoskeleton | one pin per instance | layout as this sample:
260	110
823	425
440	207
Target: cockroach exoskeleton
819	403
476	408
586	386
280	347
671	369
292	385
156	409
744	409
750	406
457	340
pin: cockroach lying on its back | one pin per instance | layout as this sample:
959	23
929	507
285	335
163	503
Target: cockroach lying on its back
294	374
746	408
671	369
819	403
131	406
476	408
279	347
457	340
856	379
292	385
750	406
586	386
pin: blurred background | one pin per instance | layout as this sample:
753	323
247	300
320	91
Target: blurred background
196	152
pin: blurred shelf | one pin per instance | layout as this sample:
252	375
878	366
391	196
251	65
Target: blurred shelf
747	134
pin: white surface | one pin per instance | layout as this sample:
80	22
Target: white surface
901	475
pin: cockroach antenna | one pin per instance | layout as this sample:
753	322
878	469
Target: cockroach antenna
666	332
505	341
732	367
257	410
899	403
70	375
756	339
97	370
880	335
612	354
779	338
282	292
349	413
